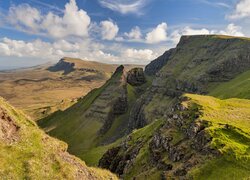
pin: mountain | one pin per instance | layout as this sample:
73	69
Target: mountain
26	152
42	90
172	126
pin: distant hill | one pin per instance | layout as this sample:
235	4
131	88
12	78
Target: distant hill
28	153
42	90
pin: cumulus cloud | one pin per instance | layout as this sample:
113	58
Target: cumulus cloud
232	30
74	22
135	34
242	10
141	54
158	34
109	30
124	6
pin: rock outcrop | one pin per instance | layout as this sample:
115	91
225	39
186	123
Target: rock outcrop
8	128
62	65
136	77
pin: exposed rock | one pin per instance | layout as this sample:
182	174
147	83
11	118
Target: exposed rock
136	77
8	128
121	105
120	159
62	65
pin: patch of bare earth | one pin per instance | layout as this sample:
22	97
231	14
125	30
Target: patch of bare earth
8	128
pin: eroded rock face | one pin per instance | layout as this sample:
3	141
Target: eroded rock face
8	128
62	65
120	159
136	77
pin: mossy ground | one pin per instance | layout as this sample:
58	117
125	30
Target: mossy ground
230	128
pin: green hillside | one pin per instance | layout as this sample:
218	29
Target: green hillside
229	126
28	153
238	87
72	125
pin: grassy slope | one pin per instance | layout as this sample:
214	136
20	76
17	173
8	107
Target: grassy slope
71	126
65	125
232	141
38	156
238	87
68	121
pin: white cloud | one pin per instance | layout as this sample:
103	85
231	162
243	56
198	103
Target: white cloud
135	34
242	10
158	34
124	6
232	30
109	30
24	16
74	22
141	54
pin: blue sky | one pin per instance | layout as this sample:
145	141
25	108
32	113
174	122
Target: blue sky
111	31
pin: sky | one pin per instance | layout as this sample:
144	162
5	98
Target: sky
34	32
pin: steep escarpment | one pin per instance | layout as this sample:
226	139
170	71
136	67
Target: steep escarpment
28	153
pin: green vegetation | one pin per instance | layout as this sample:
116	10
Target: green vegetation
71	126
238	87
230	128
34	155
142	168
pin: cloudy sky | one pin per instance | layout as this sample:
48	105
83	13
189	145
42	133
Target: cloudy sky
111	31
